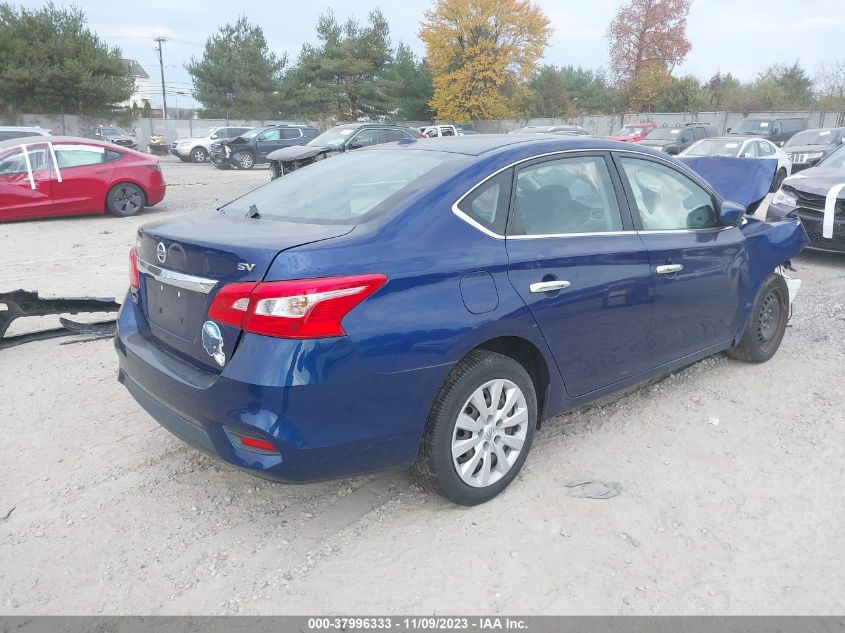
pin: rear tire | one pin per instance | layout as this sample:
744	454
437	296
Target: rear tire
125	199
479	430
766	323
777	181
199	155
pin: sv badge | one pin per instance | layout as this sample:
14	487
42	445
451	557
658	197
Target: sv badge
245	266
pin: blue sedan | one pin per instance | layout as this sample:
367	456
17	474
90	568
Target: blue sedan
429	303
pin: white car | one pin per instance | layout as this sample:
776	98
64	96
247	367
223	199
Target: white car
198	150
741	147
436	131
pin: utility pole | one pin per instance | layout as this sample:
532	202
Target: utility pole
160	41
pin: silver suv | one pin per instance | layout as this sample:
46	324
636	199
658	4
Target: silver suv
197	150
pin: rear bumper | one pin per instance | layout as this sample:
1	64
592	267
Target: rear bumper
316	401
156	193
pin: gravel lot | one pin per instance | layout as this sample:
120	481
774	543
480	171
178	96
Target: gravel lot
732	478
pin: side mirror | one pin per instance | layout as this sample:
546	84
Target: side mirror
730	213
728	131
213	137
673	150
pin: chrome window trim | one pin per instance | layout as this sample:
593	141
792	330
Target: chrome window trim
172	278
475	224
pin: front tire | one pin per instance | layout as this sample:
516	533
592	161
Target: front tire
247	160
479	430
777	181
766	324
125	199
199	155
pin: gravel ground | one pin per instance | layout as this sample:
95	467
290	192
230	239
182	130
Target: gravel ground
732	482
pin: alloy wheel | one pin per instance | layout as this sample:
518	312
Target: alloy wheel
127	199
489	433
246	161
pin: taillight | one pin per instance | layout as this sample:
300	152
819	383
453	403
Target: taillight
134	278
300	308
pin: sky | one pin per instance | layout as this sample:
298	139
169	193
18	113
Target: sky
737	36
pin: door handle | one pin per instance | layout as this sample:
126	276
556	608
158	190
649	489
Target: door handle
549	286
668	269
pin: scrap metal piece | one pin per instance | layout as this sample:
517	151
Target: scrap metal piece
25	303
594	489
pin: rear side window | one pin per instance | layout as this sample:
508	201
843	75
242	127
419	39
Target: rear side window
565	196
793	125
488	203
391	135
447	131
291	132
79	155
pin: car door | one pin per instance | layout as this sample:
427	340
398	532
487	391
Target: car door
26	182
698	266
86	173
582	270
267	142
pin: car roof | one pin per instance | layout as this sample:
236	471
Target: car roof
29	140
478	144
815	129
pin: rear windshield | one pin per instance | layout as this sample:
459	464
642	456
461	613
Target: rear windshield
835	160
813	137
347	189
715	147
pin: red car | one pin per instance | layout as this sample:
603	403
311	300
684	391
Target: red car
633	132
61	175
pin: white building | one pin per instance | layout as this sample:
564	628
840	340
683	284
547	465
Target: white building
143	86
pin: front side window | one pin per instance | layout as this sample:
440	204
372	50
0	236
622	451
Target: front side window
666	199
13	167
365	138
488	203
349	188
566	195
271	135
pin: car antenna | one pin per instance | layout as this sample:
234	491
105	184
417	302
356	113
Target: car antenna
253	212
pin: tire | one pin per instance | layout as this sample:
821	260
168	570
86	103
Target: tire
125	199
247	160
777	181
766	324
453	423
199	155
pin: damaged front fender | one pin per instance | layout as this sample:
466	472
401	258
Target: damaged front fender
771	244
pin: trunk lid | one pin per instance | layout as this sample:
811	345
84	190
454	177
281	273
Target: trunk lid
184	262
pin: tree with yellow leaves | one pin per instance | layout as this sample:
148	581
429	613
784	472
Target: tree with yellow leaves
481	53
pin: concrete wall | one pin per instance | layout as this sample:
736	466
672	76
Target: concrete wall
599	125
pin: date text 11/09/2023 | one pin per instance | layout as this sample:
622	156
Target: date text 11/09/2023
432	623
